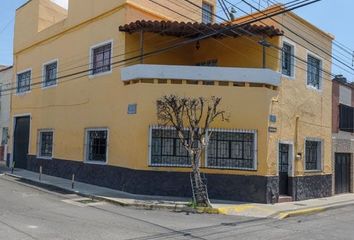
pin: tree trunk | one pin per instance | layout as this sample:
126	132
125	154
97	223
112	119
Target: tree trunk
200	188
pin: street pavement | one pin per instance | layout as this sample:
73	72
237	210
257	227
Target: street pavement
28	212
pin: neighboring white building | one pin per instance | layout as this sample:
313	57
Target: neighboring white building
6	74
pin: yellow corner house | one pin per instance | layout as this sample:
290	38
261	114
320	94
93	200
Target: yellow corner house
87	79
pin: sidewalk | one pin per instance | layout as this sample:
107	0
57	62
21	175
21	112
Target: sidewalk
278	211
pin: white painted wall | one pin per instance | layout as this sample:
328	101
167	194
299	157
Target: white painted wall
345	95
229	74
5	98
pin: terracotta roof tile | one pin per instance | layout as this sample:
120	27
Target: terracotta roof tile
191	30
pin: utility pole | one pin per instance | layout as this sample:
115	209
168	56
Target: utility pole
142	39
265	44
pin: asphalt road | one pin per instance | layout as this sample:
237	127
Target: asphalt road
27	212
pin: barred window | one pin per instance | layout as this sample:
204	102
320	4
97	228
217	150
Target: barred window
313	155
45	144
233	150
166	148
50	74
101	59
5	136
24	82
96	145
288	60
313	72
207	13
346	118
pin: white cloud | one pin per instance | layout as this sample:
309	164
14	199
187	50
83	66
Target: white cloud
62	3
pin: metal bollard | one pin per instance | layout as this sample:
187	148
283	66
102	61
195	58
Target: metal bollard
12	167
40	173
73	181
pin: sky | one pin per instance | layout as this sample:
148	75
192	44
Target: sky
334	16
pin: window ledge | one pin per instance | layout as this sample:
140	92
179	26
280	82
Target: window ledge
20	94
92	76
95	162
231	168
45	158
288	77
310	87
169	166
313	171
50	86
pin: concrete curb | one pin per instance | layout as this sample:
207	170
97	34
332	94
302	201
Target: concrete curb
177	207
309	211
139	205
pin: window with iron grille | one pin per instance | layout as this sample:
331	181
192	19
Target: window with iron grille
24	82
288	60
45	144
166	148
346	118
313	152
50	74
5	136
207	13
233	150
313	72
96	145
101	59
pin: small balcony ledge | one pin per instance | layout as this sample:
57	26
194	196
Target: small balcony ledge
197	73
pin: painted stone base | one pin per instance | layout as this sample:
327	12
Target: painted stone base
257	189
309	187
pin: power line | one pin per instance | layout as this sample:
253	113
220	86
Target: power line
253	35
115	56
304	30
306	40
297	43
6	25
268	54
179	44
277	57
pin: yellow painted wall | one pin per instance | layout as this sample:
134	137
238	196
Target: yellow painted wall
79	103
312	107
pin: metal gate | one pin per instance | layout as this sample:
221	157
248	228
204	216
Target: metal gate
283	169
21	141
342	172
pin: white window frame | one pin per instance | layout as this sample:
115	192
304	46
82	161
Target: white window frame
255	149
293	66
39	143
150	147
30	87
291	170
92	48
44	73
321	71
321	162
86	146
211	13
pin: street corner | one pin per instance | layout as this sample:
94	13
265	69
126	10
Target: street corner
244	209
300	212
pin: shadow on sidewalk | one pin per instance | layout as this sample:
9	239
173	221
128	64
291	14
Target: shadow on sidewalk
3	167
44	186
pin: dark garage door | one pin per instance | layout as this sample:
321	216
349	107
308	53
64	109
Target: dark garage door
21	141
342	172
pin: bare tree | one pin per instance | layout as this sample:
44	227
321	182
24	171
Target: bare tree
194	115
